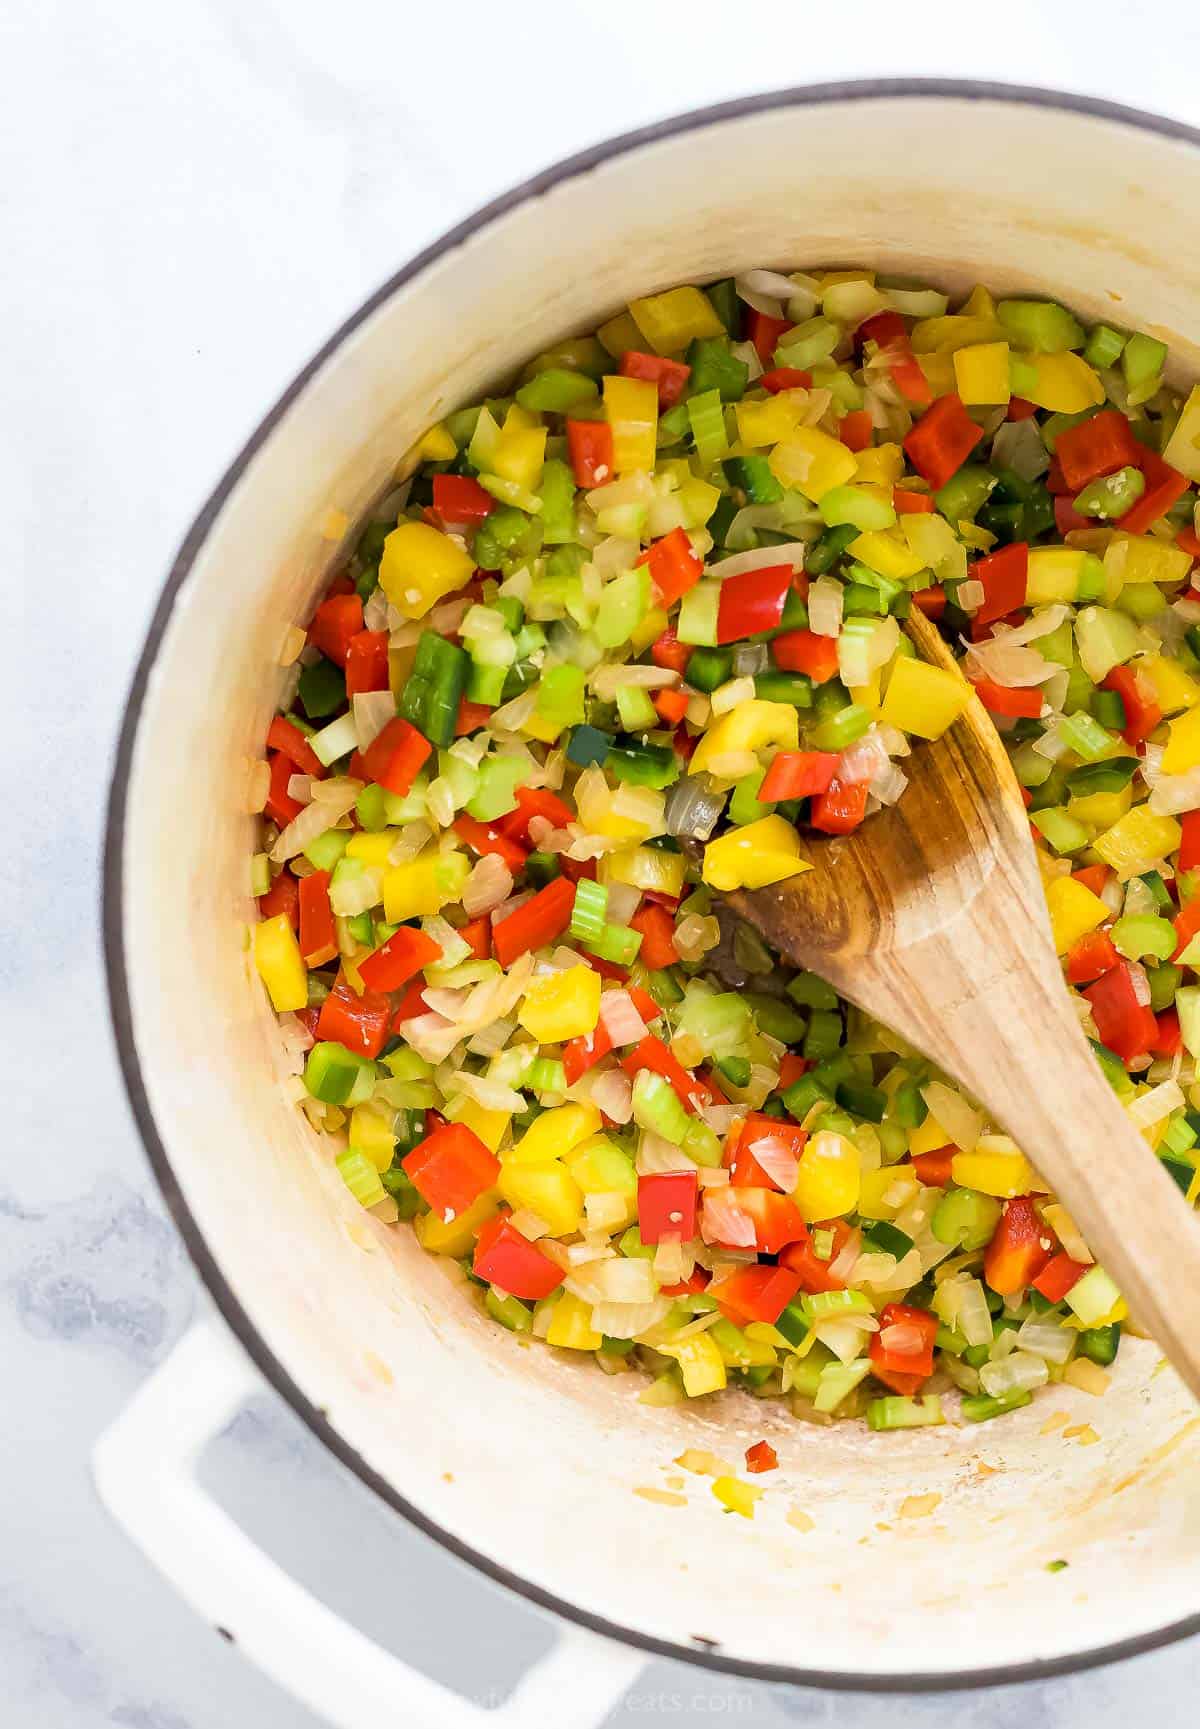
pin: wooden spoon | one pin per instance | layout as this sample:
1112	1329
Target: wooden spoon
932	918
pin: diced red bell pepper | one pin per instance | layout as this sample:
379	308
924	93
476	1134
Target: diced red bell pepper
644	1003
318	933
308	1019
839	809
750	1134
671	376
1164	485
752	601
651	1053
668	652
459	499
670	705
505	1258
764	332
536	924
942	440
291	742
1058	1276
336	622
786	378
674	566
798	774
657	926
1122	1023
411	1004
1091	957
1096	447
805	651
856	429
359	1023
761	1457
450	1169
1005	576
775	1217
582	1053
1188	541
590	445
489	840
887	330
471	716
1142	713
931	601
477	934
405	953
668	1203
1067	519
791	1067
1187	924
1020	408
1023	703
903	1370
935	1169
1021	1245
281	807
283	896
533	801
815	1275
1056	481
396	757
909	503
697	1281
758	1293
1189	846
1169	1042
367	662
343	584
1094	877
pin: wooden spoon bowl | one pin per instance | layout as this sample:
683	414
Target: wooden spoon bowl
932	918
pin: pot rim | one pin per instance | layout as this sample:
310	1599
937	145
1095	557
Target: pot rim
702	1654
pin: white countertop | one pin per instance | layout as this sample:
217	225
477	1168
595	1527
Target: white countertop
194	194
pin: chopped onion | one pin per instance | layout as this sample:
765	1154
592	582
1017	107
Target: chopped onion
694	807
655	1153
1019	1372
618	1279
629	1320
612	1093
492	1095
862	759
970	596
792	553
489	883
961	1121
672	1264
513	715
695	936
372	711
1045	1339
1139	981
1175	793
887	784
732	694
313	821
843	1261
608	679
339	790
749	658
623	902
353	895
1158	1103
825	607
723	1220
778	1160
300	788
413	838
770	283
916	302
844	1334
620	1020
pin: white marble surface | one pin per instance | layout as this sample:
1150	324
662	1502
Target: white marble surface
194	192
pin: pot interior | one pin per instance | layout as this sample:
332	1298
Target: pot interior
542	1465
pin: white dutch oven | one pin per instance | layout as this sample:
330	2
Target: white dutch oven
520	1460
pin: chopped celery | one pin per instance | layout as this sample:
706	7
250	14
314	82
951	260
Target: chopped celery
895	1412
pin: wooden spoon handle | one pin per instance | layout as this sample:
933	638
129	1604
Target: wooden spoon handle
1023	1054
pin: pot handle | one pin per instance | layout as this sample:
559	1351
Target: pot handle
144	1470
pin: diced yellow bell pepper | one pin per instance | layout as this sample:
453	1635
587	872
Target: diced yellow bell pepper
280	965
1064	383
700	1362
593	801
954	330
1174	689
831	278
981	371
520	450
631	406
620	334
436	445
372	849
887	554
1074	910
647	868
927	1137
563	1005
812	462
455	1236
736	1496
869	695
490	1126
771	421
1183	744
372	1135
897	1180
1054	573
979	303
880	463
749	858
548	1190
571	1325
1141	558
829	1178
1100	809
555	1133
422	886
1138	842
420	566
1000	1174
670	321
923	699
601	1167
749	726
939	372
652	626
1182	449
